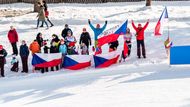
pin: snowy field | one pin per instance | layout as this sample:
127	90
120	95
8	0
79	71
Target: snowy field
147	82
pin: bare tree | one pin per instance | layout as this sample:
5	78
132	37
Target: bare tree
36	7
148	2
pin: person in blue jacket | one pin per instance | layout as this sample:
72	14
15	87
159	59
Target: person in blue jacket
24	53
97	31
63	47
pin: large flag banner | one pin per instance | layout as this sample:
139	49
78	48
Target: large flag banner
105	60
160	25
46	60
76	62
112	34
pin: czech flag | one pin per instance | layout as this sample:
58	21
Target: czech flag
112	34
105	60
46	60
76	62
159	26
168	44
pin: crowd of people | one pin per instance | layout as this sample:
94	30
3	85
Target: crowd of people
65	44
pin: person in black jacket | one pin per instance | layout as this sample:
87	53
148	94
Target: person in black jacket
65	30
24	53
46	51
113	46
46	14
54	49
39	39
3	54
85	38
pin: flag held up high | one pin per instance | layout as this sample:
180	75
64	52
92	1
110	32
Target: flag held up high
160	24
112	34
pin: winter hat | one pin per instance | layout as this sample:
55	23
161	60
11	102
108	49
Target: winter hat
23	41
1	47
66	25
69	31
84	29
14	56
139	25
98	26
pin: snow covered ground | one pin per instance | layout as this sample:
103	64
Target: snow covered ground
147	82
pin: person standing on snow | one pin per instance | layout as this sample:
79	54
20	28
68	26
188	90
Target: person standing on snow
140	38
13	39
85	38
54	49
65	30
97	31
41	16
24	53
39	39
70	42
46	14
34	47
3	54
127	38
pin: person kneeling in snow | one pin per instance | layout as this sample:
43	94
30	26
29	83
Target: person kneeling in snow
14	63
113	46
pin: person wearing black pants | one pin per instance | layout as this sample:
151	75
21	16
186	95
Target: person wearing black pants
140	38
140	44
46	14
3	54
13	39
15	50
24	53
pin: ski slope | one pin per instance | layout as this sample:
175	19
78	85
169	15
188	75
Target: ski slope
149	82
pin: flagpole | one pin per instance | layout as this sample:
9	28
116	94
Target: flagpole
168	26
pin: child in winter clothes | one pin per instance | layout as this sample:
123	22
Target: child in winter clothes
70	41
46	48
63	50
63	47
46	51
14	63
127	38
84	49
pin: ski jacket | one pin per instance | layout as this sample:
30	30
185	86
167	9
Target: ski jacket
13	36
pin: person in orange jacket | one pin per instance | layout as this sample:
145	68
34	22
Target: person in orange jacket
140	38
34	47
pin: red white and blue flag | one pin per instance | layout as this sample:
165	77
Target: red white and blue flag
46	60
105	60
76	62
160	25
112	34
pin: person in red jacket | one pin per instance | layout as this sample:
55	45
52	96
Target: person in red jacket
140	38
13	39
